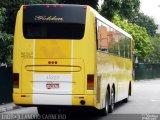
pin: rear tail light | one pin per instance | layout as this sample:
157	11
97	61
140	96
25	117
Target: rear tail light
24	7
47	6
54	6
16	80
85	7
61	6
90	82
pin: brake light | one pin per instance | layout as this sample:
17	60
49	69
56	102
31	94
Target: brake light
47	6
61	6
23	95
24	7
85	7
90	82
16	80
54	6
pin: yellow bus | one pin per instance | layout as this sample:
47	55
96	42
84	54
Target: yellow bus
69	55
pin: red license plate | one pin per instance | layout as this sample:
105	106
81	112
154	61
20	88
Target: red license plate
52	85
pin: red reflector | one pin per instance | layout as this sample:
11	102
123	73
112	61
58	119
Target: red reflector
47	6
85	7
61	6
23	95
90	82
81	97
24	7
54	6
16	80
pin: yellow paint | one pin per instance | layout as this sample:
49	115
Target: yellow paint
89	100
52	49
23	50
76	57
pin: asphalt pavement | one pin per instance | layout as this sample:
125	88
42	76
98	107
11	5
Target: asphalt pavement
144	104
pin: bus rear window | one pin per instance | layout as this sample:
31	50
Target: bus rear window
40	22
53	30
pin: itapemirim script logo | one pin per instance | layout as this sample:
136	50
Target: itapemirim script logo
48	18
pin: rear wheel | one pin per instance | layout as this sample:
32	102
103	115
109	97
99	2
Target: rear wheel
112	101
104	111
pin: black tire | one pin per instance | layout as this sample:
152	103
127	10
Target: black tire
112	101
105	110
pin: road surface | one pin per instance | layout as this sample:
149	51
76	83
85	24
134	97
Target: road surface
144	104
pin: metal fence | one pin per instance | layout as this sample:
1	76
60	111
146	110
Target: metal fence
6	85
147	71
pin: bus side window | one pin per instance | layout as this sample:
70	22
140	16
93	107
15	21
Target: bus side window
111	42
122	45
96	28
102	37
127	48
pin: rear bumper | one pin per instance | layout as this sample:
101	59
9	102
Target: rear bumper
50	99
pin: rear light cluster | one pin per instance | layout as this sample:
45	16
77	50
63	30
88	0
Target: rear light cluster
47	6
16	80
53	6
90	82
85	7
24	7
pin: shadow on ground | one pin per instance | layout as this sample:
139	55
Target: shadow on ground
82	114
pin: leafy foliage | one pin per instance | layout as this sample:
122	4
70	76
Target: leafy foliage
6	41
127	9
147	22
154	56
110	8
6	45
2	17
143	46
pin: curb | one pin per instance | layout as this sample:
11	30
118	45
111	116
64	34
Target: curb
8	107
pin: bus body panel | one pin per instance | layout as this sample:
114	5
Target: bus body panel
56	79
55	71
55	67
115	71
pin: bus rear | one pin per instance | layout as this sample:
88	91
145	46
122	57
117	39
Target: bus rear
54	56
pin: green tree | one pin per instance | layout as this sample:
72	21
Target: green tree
127	9
147	22
110	8
6	45
154	56
92	3
143	46
6	41
2	17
